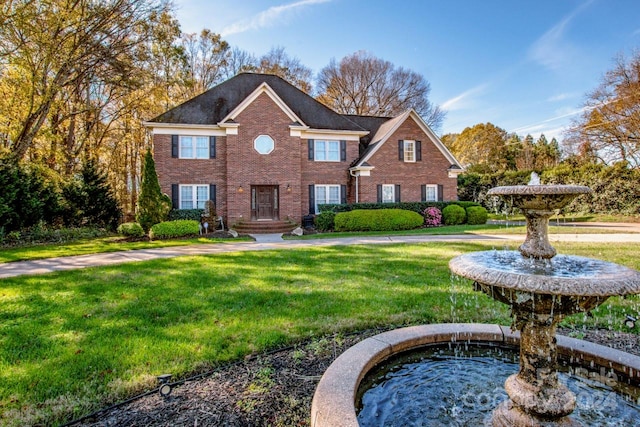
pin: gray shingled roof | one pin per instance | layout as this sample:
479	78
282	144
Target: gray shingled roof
215	104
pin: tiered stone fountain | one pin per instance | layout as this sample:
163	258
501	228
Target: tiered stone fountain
541	289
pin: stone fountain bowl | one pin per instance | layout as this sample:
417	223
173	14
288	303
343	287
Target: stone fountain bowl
566	275
540	197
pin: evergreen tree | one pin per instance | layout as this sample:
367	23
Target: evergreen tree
90	200
153	206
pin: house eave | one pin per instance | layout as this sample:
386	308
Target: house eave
181	128
347	135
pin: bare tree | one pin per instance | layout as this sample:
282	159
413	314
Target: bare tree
277	62
207	56
365	85
609	128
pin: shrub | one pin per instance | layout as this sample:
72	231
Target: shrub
325	221
194	214
153	206
432	216
454	215
477	215
131	229
179	228
378	220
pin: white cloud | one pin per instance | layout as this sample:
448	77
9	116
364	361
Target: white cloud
552	49
560	97
463	101
268	18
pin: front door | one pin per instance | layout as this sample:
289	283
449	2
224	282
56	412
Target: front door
264	202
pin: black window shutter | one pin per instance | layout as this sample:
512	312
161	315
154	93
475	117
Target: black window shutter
423	191
397	193
401	150
343	194
212	147
343	151
310	145
175	139
175	196
419	151
212	194
440	192
312	199
379	193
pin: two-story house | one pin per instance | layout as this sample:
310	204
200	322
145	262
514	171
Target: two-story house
265	151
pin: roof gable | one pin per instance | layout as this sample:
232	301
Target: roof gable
387	129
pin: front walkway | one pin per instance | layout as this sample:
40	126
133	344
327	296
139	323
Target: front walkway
19	268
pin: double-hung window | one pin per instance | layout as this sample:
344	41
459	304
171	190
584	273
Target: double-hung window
194	147
388	193
193	196
409	151
327	151
430	193
327	194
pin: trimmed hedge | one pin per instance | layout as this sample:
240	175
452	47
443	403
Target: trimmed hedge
325	221
193	214
454	215
477	215
378	220
417	207
131	229
178	228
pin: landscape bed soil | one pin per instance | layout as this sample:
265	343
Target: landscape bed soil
273	389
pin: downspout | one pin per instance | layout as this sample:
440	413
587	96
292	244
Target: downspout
357	175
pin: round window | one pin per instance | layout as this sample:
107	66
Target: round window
263	144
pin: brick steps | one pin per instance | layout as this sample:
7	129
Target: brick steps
264	227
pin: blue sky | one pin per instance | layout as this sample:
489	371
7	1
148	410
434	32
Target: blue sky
525	66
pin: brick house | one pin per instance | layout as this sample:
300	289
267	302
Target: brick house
265	151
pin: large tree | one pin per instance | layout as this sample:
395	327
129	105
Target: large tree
207	57
365	85
61	51
484	147
609	128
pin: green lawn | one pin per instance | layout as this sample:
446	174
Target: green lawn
73	342
94	246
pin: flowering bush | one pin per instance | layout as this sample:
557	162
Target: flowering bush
432	216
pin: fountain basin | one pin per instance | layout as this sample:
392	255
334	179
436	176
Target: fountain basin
334	400
540	197
566	275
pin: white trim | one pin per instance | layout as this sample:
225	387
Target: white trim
194	147
189	130
361	170
263	88
194	193
393	193
405	143
326	150
435	187
326	186
344	135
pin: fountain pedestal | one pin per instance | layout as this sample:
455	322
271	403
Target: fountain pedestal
541	291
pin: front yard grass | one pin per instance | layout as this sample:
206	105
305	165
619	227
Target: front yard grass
73	342
98	245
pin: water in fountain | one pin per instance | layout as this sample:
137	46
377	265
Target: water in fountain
461	386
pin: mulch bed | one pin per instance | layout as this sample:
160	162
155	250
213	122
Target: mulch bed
273	389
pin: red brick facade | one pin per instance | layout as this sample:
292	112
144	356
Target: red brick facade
238	167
